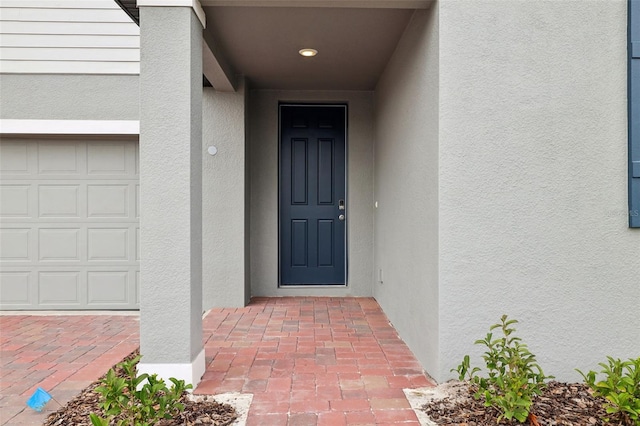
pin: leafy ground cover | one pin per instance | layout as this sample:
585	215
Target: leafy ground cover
76	412
511	389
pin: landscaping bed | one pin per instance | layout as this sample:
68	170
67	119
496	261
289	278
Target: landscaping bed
560	403
76	412
511	389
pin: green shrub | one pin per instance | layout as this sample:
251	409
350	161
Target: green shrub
514	377
621	389
137	400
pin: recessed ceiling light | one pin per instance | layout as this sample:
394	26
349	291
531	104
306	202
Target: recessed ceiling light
308	52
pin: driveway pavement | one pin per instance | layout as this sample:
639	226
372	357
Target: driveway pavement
61	354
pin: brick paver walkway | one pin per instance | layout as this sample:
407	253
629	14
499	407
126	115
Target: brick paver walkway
62	354
307	361
312	361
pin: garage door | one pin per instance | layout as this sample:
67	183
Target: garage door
69	224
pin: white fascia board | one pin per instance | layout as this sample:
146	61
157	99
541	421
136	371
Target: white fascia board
69	127
195	4
383	4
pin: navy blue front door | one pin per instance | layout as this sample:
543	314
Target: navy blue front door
313	207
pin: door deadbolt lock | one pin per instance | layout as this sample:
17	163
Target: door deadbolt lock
341	217
340	204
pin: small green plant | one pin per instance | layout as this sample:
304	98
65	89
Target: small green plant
514	377
137	400
464	370
620	387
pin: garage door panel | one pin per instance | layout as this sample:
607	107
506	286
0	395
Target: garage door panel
56	287
108	159
136	162
104	287
110	200
14	244
137	201
15	288
58	158
108	244
58	201
14	158
137	243
61	244
14	201
108	287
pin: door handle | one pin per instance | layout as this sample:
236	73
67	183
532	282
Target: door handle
341	217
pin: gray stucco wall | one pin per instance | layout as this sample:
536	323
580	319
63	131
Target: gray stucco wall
223	200
406	188
171	186
533	175
264	191
69	97
247	193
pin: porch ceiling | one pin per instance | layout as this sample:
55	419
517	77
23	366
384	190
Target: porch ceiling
262	43
260	39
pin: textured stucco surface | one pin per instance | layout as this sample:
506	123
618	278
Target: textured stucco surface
69	97
171	185
223	200
406	188
247	193
533	175
264	191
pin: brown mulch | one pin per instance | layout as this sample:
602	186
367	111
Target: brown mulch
560	404
76	412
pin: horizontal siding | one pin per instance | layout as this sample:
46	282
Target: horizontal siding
63	15
67	37
76	28
68	67
66	40
60	4
69	54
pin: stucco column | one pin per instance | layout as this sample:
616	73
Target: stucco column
171	191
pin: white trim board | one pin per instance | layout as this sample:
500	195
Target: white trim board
191	372
69	127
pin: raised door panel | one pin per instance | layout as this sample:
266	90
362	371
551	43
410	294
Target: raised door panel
312	186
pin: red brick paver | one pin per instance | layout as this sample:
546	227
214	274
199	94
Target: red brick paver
312	361
61	354
308	361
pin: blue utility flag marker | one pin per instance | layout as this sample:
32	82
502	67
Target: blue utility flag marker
39	399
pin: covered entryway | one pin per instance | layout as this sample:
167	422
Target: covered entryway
69	236
210	156
313	195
